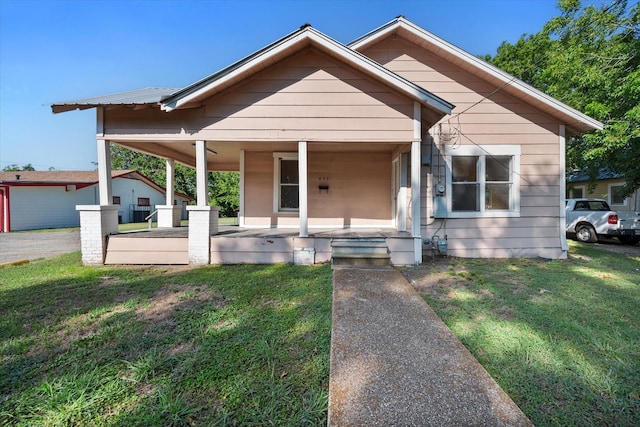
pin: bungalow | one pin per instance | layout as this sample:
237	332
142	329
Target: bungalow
607	185
398	131
47	199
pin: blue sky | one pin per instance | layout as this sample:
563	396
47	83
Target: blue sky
55	50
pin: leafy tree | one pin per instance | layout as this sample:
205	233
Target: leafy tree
224	187
16	168
588	57
225	191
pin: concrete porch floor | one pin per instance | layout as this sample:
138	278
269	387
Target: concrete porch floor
235	245
235	231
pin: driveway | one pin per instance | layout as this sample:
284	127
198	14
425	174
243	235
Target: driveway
613	245
17	246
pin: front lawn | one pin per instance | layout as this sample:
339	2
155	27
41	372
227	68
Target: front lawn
249	345
562	338
217	345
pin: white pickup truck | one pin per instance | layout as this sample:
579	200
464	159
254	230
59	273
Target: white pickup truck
589	219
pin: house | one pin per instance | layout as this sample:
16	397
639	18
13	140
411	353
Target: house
607	185
397	131
47	199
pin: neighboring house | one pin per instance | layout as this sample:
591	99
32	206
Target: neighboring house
47	199
398	130
607	185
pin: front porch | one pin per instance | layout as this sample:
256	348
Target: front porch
237	245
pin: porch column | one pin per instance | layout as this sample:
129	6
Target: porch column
302	188
104	172
402	194
203	219
169	214
201	174
99	221
241	207
415	183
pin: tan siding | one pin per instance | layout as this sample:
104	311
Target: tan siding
488	116
359	190
123	250
601	191
359	187
309	96
258	188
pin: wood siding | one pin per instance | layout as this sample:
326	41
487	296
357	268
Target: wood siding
359	193
308	97
484	115
131	250
601	191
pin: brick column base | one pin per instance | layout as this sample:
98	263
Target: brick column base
203	222
96	223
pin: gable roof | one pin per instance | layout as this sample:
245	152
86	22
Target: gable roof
57	177
150	95
80	179
303	37
575	120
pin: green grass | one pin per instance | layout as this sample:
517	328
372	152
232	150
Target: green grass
217	345
249	345
562	338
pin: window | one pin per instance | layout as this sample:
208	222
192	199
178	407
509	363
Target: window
116	200
576	193
286	183
483	181
144	201
615	195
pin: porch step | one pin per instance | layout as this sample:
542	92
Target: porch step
367	252
146	251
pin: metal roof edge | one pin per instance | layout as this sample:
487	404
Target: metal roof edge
119	98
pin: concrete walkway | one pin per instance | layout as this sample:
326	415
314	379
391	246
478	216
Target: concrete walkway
395	363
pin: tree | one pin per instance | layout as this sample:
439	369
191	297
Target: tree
16	168
225	192
224	187
588	57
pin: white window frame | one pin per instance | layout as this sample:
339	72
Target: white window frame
277	157
625	202
482	152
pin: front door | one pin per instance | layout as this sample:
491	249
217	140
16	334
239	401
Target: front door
399	184
395	189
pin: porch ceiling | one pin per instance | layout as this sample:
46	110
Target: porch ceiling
225	156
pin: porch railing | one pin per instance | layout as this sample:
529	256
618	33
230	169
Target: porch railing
149	218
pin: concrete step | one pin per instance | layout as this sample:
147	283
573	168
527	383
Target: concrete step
367	252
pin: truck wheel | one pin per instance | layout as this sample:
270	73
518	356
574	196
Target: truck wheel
629	240
586	234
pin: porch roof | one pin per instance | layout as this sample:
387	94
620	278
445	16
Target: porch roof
150	95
